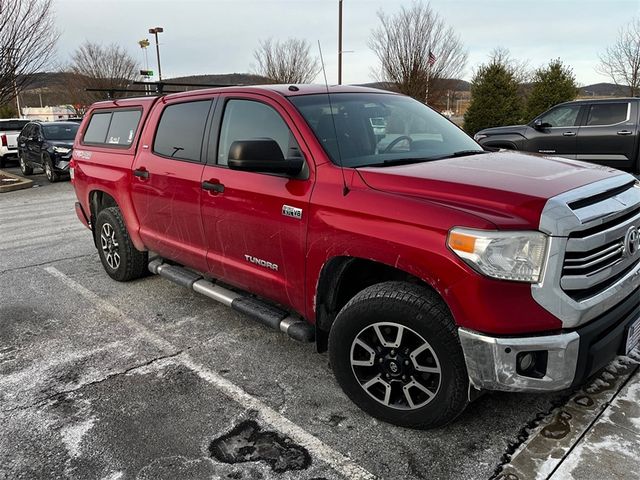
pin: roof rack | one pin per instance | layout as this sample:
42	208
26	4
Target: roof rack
158	88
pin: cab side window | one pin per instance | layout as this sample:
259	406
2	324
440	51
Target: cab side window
249	120
181	129
607	113
562	116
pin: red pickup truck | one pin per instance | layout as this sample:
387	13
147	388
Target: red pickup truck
429	268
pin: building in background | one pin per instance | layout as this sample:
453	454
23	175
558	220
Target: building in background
49	114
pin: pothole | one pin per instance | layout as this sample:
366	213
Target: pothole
247	442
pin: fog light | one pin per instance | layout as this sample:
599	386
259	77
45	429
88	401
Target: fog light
532	363
526	361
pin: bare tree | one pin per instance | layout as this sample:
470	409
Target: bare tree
621	61
289	61
27	42
96	66
404	43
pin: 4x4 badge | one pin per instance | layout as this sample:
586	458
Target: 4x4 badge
289	211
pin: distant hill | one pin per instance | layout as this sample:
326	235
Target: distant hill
604	90
222	79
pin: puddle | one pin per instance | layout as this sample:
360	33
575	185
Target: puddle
584	401
247	442
559	427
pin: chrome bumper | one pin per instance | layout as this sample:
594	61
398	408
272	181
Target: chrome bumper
491	361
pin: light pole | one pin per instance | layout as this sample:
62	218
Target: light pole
339	42
156	31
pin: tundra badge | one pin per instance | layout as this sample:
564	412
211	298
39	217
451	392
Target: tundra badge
289	211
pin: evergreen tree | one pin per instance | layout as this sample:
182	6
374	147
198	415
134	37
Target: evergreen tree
495	99
552	84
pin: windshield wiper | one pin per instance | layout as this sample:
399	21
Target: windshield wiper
409	161
395	161
460	153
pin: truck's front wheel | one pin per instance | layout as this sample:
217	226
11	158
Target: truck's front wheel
395	352
118	255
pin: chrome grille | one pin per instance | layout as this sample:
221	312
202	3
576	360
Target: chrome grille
597	257
589	268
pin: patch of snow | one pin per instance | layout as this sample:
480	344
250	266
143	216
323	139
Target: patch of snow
73	434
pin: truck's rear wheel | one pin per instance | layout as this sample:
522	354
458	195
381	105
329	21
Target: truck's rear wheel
395	352
118	255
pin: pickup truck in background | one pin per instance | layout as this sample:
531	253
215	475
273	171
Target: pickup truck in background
362	220
9	130
598	131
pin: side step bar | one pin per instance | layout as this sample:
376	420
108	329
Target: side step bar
263	312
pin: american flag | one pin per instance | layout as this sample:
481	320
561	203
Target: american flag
432	58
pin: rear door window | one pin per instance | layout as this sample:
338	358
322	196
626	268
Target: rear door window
181	130
97	129
607	113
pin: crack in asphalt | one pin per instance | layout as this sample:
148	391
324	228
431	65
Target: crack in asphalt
45	263
107	377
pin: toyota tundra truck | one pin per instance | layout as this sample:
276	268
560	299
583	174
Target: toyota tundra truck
427	267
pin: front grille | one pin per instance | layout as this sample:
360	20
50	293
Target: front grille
596	257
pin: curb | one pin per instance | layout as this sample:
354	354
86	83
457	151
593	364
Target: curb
554	438
18	184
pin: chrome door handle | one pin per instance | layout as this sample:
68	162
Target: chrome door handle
569	134
624	132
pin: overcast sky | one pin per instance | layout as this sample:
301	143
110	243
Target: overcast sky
219	36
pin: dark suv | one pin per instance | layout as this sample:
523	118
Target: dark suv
47	146
598	131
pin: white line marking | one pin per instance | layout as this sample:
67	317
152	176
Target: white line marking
336	460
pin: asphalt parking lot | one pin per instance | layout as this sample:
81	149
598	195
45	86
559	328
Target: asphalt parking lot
100	379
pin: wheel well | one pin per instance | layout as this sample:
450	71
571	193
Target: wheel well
98	201
503	144
341	279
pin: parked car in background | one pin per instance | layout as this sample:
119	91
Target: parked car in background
47	146
598	131
9	131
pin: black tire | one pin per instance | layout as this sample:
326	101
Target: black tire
131	263
49	171
2	162
25	168
427	324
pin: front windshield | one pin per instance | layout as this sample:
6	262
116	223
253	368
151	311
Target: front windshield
374	129
60	132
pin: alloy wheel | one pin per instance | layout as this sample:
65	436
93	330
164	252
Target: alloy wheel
109	245
395	365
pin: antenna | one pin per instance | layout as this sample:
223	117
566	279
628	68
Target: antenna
345	189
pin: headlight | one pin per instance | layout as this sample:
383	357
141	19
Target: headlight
479	136
517	256
61	149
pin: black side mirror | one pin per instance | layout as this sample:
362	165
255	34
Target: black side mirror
540	125
262	155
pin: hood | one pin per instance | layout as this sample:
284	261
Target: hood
502	130
507	188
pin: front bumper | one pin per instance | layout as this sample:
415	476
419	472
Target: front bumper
570	357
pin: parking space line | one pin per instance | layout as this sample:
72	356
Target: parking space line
336	460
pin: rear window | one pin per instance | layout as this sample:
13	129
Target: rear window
607	113
12	125
117	128
60	131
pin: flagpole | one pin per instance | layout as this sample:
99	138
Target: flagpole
426	99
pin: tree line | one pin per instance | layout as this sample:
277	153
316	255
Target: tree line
418	55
